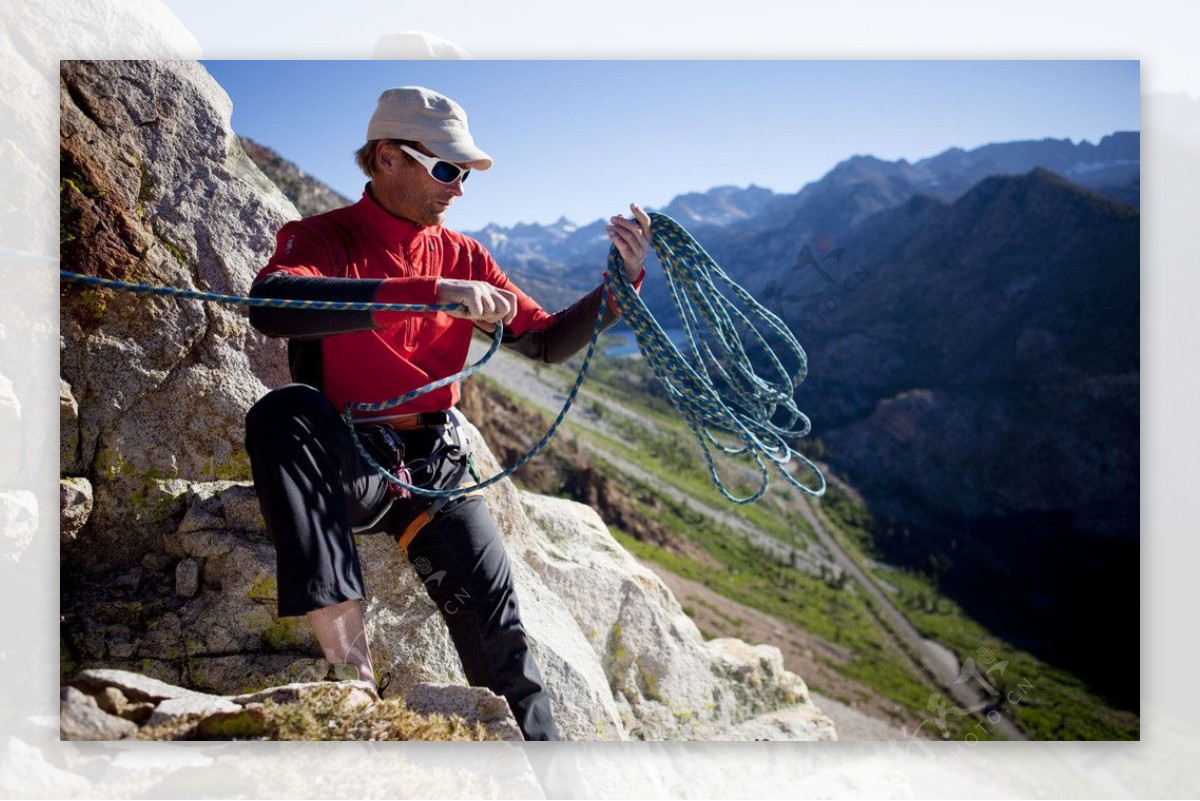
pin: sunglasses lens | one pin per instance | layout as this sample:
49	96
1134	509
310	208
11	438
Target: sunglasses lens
446	172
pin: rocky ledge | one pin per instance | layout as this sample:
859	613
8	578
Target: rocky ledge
117	705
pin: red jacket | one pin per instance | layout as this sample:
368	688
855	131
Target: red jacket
367	358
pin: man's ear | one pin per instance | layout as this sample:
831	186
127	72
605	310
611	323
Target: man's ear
386	155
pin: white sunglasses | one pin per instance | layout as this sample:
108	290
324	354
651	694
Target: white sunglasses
443	171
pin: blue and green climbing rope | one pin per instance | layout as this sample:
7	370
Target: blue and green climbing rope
713	387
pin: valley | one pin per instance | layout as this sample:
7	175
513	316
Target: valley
782	571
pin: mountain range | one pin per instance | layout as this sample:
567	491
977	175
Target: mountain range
563	258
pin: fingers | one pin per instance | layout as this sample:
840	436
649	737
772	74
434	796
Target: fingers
511	300
488	303
638	226
482	302
632	239
643	219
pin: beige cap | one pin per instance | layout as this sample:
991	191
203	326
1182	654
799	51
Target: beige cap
434	120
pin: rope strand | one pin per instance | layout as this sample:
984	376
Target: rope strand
718	363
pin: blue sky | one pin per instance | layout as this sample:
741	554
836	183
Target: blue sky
583	138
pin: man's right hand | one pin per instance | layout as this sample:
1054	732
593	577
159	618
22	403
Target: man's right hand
484	303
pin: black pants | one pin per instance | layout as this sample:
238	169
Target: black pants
314	487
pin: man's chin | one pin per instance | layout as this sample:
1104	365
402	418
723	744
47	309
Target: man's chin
431	220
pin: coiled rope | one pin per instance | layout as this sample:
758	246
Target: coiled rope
715	388
719	362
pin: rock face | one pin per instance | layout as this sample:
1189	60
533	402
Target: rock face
156	189
172	575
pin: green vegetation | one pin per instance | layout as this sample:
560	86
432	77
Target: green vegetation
745	574
264	589
79	186
234	468
686	472
172	248
69	215
288	634
325	713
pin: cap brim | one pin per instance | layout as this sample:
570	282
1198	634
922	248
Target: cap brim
459	153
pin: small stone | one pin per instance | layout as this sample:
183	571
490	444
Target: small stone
120	642
241	508
111	700
81	719
123	649
127	582
204	543
192	704
200	517
114	702
75	506
473	704
187	577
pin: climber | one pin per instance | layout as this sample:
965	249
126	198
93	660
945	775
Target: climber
315	490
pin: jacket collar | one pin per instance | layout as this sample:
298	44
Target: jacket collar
393	227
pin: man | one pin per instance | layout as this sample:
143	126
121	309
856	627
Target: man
315	489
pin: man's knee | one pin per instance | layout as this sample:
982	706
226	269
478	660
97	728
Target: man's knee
280	407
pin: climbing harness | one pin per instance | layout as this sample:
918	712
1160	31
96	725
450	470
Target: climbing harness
447	463
713	386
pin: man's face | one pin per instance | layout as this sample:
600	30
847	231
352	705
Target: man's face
406	189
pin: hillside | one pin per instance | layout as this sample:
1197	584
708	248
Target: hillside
981	388
307	194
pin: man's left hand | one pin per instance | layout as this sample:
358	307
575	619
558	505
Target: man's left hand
632	238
